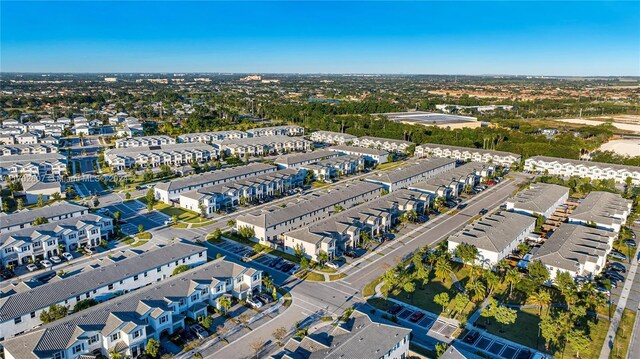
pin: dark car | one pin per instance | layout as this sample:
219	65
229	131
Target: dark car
275	262
416	316
471	337
618	267
483	211
6	273
351	254
523	354
462	206
630	243
614	275
287	267
395	309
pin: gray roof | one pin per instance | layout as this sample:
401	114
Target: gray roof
539	197
225	174
600	165
602	207
79	284
410	170
132	151
382	139
296	158
27	216
360	150
31	158
470	149
427	118
261	140
458	174
494	232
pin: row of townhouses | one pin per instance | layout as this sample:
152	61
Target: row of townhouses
370	155
296	160
452	183
126	323
46	127
594	170
390	145
145	141
335	167
211	199
169	191
410	173
20	310
287	130
154	156
209	137
342	231
261	146
55	212
539	199
83	126
27	138
270	223
27	149
334	138
467	154
42	164
603	210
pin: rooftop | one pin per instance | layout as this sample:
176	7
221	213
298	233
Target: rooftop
494	232
214	176
539	197
27	216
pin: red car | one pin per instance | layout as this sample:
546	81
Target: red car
491	183
416	316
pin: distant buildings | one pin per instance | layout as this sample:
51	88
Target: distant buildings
433	119
452	183
486	108
155	156
467	154
287	130
261	146
55	212
335	167
41	165
145	141
593	170
27	149
380	143
369	154
539	199
296	160
335	138
209	137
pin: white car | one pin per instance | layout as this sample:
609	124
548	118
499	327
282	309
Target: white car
55	260
254	303
67	256
332	265
32	267
45	263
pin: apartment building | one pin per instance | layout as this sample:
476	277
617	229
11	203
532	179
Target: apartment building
29	149
539	199
467	154
452	183
288	130
129	127
342	231
358	337
576	249
126	323
380	143
336	167
170	191
145	141
410	173
209	137
296	160
55	212
243	191
270	223
261	146
495	236
155	156
21	311
603	210
370	155
33	187
335	138
34	164
594	170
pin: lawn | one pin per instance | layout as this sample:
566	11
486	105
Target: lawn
333	277
370	288
623	335
311	276
139	243
237	238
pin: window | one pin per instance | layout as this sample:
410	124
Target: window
158	269
58	355
94	339
137	334
17	320
163	319
33	314
135	277
78	348
115	337
110	286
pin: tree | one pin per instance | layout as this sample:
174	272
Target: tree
279	334
338	208
477	288
96	202
467	253
206	321
578	340
442	299
56	196
113	354
512	277
443	269
225	303
298	251
541	299
505	315
140	228
304	262
257	346
461	301
153	348
55	312
150	197
246	232
538	273
180	269
441	348
421	272
116	216
84	304
40	220
409	288
40	200
231	222
565	283
127	196
491	279
216	234
323	257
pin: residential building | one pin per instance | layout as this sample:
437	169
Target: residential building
129	127
433	119
495	236
209	137
155	156
170	191
602	210
29	149
335	138
270	223
410	173
467	154
371	155
386	144
540	199
288	130
261	146
21	311
593	170
126	323
34	164
579	250
145	141
33	187
336	167
452	183
297	160
55	212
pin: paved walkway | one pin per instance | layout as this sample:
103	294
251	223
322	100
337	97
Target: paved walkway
617	316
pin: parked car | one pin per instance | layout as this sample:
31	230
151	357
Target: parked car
287	267
6	273
55	260
483	211
32	267
350	254
416	316
67	256
332	265
275	262
491	183
603	290
462	206
265	298
618	255
471	337
616	266
630	243
45	263
45	277
88	250
254	303
199	331
395	309
296	268
614	275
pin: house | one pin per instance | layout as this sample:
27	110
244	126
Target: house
540	199
495	236
602	210
336	167
55	212
155	156
27	149
287	130
261	146
33	187
371	155
209	137
452	183
300	159
593	170
335	138
576	249
464	154
126	323
410	173
27	138
21	311
145	141
41	165
386	144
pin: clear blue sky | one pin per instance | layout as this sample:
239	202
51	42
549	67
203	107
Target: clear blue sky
540	38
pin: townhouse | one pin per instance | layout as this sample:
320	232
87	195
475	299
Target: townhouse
288	130
270	223
33	187
209	137
154	156
145	141
170	191
129	127
410	173
55	212
594	170
336	167
261	146
21	311
27	138
452	183
300	159
576	249
603	210
343	231
463	154
387	144
28	149
495	236
42	164
358	337
126	323
335	138
211	199
371	155
539	199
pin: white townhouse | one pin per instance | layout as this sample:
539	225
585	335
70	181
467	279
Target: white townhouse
29	149
27	138
603	210
459	153
336	167
335	138
410	173
270	223
452	183
145	141
261	146
155	156
585	169
20	312
287	130
295	160
370	155
495	236
126	323
42	164
539	199
53	213
380	143
169	192
209	137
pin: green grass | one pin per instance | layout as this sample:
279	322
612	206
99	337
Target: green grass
389	165
370	288
139	243
144	235
311	276
127	240
237	238
623	335
339	276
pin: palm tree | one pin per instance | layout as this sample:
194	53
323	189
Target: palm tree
443	269
541	299
113	354
478	288
512	277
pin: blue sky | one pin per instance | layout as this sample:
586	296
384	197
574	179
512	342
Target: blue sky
539	38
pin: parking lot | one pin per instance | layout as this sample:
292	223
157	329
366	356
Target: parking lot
495	347
429	321
268	260
134	213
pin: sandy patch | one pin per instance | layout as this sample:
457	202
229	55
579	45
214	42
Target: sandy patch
622	126
626	147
